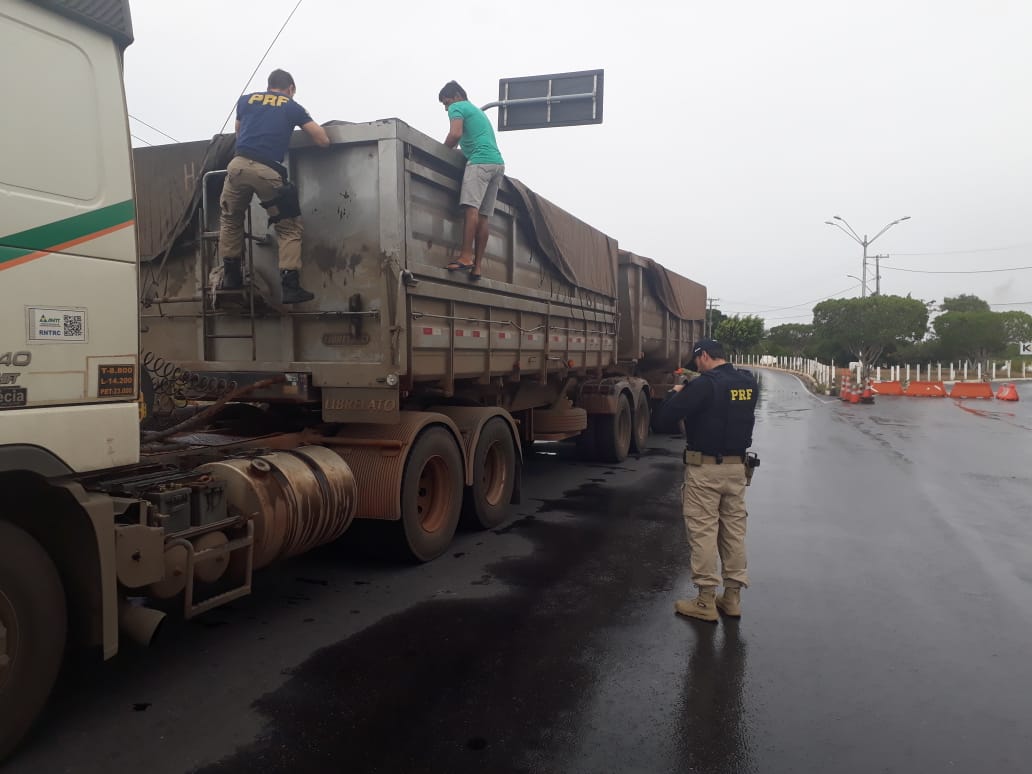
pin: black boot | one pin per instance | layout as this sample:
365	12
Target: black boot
293	293
232	276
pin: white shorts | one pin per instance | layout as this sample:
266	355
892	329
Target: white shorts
480	186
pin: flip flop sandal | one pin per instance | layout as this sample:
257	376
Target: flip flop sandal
475	277
459	266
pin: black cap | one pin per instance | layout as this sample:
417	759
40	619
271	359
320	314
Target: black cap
711	347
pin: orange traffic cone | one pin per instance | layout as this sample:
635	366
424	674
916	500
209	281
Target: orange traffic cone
854	396
1008	391
868	395
844	392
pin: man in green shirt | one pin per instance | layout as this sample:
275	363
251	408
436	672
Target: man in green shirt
471	130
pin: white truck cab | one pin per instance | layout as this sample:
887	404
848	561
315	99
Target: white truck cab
68	268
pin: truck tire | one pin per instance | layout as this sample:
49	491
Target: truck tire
613	432
586	445
486	502
642	423
34	618
431	495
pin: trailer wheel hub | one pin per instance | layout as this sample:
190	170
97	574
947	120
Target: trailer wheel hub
495	474
433	500
8	630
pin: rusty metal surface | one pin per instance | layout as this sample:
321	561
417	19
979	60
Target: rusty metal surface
381	221
299	499
661	314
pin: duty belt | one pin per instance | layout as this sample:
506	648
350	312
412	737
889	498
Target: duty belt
697	458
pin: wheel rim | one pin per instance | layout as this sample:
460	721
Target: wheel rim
433	500
495	474
623	429
8	638
643	421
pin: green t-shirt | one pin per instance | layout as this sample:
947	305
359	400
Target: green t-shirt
478	138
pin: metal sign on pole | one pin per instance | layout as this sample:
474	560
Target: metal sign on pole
559	99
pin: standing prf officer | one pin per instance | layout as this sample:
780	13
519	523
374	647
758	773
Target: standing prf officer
718	409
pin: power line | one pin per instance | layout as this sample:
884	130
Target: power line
815	301
976	250
970	271
260	62
141	139
164	134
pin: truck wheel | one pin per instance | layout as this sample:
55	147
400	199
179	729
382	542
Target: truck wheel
642	423
613	433
431	494
33	626
494	476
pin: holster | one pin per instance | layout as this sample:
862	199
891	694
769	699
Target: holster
752	461
692	457
285	203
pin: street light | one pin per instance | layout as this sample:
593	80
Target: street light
853	276
849	232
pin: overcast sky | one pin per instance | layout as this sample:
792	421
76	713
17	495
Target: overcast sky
731	131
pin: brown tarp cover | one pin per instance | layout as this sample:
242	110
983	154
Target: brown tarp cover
168	189
582	254
682	297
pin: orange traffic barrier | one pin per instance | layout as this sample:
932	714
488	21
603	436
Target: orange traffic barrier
887	388
972	390
925	390
1008	391
845	389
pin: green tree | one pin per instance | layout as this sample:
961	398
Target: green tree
1017	326
789	339
965	302
970	335
867	327
714	317
739	334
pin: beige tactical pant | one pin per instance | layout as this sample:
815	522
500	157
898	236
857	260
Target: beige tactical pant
713	504
246	178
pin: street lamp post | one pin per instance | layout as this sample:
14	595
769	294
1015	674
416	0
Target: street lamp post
848	231
864	284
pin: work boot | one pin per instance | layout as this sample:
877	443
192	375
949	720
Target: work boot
293	293
730	602
232	276
702	607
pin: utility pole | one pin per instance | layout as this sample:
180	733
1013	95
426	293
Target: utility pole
709	317
877	274
849	232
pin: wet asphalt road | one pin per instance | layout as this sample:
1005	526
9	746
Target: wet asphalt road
888	629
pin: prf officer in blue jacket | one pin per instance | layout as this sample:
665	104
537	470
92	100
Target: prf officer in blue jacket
265	122
718	409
